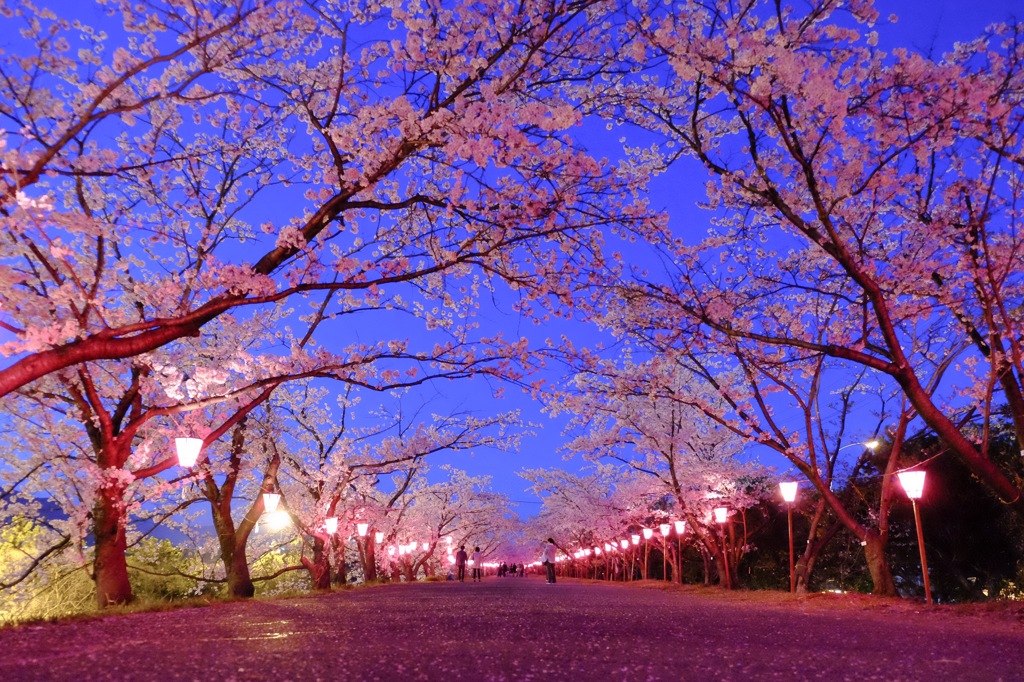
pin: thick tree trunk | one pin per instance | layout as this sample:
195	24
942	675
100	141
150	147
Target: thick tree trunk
110	569
878	566
232	553
319	566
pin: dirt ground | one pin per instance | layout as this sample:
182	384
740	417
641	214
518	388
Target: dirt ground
522	629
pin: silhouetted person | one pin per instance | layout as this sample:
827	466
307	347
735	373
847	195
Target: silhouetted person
460	563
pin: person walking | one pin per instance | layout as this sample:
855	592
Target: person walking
547	558
460	563
478	571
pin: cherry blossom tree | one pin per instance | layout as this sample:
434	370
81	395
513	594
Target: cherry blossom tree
234	155
134	186
865	204
649	417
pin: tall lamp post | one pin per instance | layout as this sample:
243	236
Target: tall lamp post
721	516
680	529
913	484
648	533
664	528
635	539
788	489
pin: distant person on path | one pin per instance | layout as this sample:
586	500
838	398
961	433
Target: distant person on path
460	563
547	558
478	571
522	570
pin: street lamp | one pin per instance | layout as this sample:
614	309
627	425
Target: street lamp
270	502
788	489
680	529
362	529
331	525
721	516
378	537
913	484
188	450
664	528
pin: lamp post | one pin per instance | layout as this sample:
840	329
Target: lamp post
913	484
721	516
664	528
680	529
788	489
648	533
636	541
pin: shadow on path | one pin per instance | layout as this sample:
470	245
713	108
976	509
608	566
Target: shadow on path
517	629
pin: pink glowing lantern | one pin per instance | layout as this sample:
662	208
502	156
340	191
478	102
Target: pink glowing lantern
362	529
721	514
680	527
625	543
648	533
597	551
378	537
636	539
426	546
188	450
664	528
331	525
451	558
788	490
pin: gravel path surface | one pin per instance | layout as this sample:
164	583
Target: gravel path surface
522	629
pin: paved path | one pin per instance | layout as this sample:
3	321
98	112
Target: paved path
520	629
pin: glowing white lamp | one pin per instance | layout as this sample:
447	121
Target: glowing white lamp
426	546
721	514
680	527
331	525
664	528
391	551
635	539
788	490
278	520
379	536
362	529
449	539
625	543
648	532
597	551
270	502
913	483
188	450
607	547
451	558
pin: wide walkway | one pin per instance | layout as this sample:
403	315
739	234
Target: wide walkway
521	629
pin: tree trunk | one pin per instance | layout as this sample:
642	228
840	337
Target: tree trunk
232	553
110	568
878	566
319	566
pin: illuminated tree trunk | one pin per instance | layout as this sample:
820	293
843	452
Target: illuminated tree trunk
232	554
319	566
110	569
